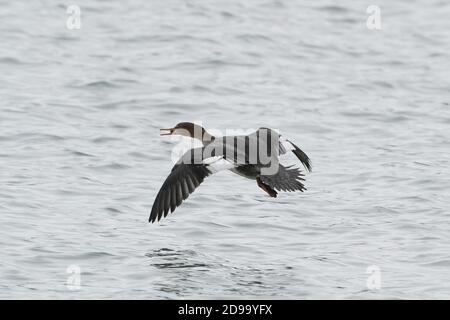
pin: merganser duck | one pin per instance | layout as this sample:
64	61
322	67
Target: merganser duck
253	156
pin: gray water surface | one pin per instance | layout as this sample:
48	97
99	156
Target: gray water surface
81	159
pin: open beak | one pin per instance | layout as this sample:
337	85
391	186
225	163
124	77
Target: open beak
166	132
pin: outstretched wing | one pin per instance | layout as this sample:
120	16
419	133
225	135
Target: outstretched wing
181	182
185	177
286	179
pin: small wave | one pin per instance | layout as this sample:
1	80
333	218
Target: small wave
383	84
101	140
251	38
80	154
167	259
113	210
114	166
333	9
445	263
227	14
100	84
137	154
10	61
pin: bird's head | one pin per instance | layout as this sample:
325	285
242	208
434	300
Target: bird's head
187	129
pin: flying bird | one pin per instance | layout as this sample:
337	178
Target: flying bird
254	156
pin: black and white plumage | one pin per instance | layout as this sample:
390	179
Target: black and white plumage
235	153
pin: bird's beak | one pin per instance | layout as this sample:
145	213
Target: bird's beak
166	132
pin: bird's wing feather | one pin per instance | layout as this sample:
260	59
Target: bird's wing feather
184	178
288	145
181	182
286	179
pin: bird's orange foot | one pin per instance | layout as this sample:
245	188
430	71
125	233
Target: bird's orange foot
271	192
